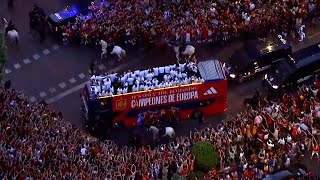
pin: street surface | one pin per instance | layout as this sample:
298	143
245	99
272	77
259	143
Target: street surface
56	73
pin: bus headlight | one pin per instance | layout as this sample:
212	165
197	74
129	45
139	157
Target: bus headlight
232	75
275	87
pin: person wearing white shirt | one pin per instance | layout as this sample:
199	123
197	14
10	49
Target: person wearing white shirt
142	73
155	80
135	88
137	82
167	69
123	80
111	89
156	86
149	76
173	73
109	93
173	66
136	73
148	83
182	67
113	76
161	71
125	90
184	75
185	81
146	88
83	151
129	74
166	78
156	71
108	83
130	81
119	91
179	75
141	87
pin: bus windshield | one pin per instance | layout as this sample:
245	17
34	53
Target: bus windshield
283	70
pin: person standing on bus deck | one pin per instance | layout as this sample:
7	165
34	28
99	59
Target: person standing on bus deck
182	67
149	76
161	72
113	76
167	69
156	71
130	81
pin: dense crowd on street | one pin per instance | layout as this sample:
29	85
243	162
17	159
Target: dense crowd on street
36	142
143	80
186	21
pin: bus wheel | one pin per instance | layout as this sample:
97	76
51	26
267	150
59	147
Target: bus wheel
240	79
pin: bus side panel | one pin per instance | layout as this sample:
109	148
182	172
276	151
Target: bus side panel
210	96
213	102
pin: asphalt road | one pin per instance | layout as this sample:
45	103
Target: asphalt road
56	73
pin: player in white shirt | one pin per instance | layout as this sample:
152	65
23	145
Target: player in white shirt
130	81
166	78
111	89
123	79
119	91
146	88
184	75
149	76
156	71
179	75
173	66
155	80
125	90
136	73
135	88
155	86
161	71
182	67
113	76
167	69
173	73
186	80
141	73
108	83
141	87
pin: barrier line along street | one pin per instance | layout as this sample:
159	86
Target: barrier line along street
80	86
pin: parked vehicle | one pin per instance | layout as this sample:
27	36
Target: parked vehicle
256	56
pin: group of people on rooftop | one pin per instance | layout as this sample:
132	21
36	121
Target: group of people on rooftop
127	21
143	80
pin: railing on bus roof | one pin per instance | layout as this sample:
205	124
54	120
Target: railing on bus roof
211	70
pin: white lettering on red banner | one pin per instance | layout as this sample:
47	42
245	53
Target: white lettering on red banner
163	99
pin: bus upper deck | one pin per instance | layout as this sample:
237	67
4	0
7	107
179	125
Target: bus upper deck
209	92
105	85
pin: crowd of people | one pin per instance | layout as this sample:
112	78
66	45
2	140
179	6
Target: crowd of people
37	143
143	80
186	21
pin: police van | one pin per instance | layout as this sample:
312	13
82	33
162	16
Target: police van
256	56
301	67
58	19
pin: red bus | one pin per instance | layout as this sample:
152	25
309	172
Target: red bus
210	95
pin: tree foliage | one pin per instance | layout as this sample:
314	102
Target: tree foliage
205	155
